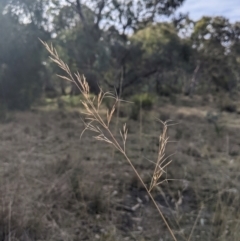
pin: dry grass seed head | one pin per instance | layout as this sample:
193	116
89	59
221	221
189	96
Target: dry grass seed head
160	165
93	117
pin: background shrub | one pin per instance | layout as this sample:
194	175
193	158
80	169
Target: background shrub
141	101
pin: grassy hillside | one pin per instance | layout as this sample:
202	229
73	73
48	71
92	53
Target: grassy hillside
56	186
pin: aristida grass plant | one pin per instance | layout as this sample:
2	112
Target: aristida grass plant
101	127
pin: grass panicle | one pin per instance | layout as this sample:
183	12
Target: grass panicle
95	122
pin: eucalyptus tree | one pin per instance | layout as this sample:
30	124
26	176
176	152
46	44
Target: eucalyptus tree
216	39
96	36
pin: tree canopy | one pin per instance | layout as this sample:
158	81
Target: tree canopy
117	44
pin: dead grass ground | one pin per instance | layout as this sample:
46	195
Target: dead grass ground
55	186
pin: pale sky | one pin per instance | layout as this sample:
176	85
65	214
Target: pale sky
198	8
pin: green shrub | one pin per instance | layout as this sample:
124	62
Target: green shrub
141	101
145	101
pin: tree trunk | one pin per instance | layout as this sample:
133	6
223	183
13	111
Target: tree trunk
193	82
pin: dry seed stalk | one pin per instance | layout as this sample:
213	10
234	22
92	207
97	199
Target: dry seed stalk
98	125
160	165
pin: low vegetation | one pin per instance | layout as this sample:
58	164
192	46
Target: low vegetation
56	186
